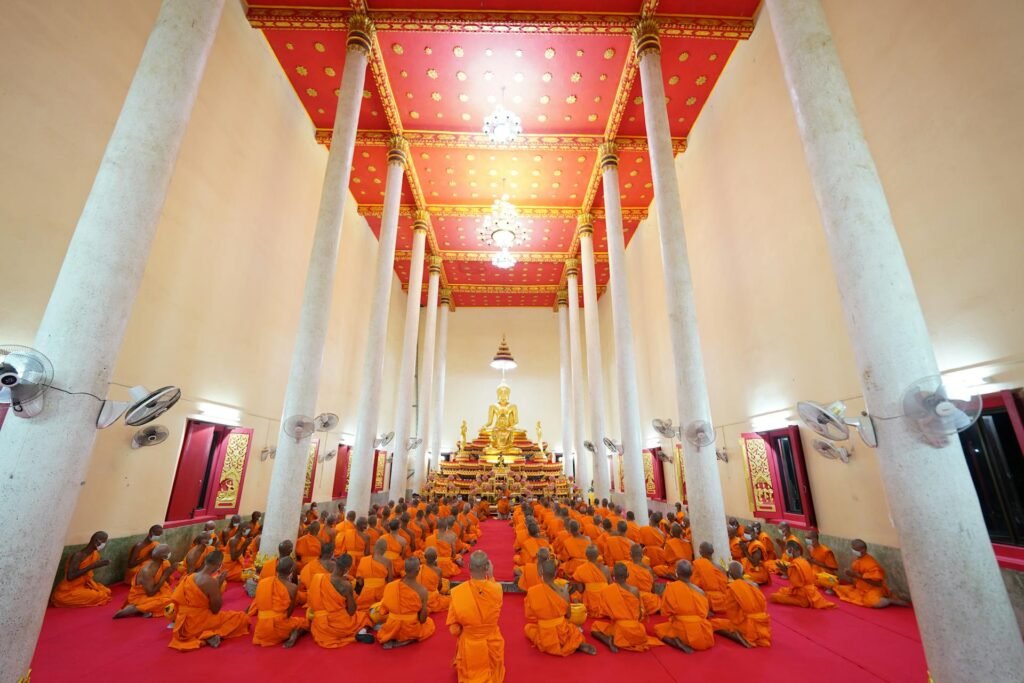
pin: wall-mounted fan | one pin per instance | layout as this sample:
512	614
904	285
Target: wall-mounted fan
149	436
267	453
144	406
413	443
663	456
722	454
589	445
665	428
699	433
383	440
330	455
831	451
298	427
612	446
325	422
831	422
25	375
936	413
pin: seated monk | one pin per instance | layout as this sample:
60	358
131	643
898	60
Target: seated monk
686	607
633	532
336	621
869	588
228	532
590	579
329	529
353	539
735	544
622	605
821	557
547	617
202	545
710	578
617	545
765	540
503	507
483	509
431	578
256	524
530	545
322	565
308	545
653	540
404	602
754	564
746	616
199	620
574	550
284	549
786	537
312	515
473	618
372	575
397	546
150	593
234	554
445	542
528	575
677	547
642	577
77	588
140	552
801	591
273	605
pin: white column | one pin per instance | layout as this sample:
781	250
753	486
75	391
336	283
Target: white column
44	460
407	367
584	459
595	366
959	597
437	392
284	499
423	406
565	381
361	477
703	484
625	359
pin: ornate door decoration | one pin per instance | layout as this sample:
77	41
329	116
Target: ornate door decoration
232	471
760	485
307	490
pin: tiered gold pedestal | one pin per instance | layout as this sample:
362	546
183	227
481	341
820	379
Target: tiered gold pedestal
519	478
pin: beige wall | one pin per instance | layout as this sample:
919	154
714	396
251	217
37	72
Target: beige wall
940	98
219	302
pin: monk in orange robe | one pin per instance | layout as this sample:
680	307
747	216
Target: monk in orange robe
786	537
590	579
617	545
503	507
321	565
765	540
574	550
530	545
753	564
150	593
802	591
746	616
77	588
710	578
686	607
404	603
735	545
823	560
676	548
140	552
312	515
336	622
653	540
444	542
642	577
202	545
528	575
269	568
431	578
473	618
869	588
199	620
308	546
547	617
273	605
228	532
373	574
234	554
397	547
353	540
632	528
625	630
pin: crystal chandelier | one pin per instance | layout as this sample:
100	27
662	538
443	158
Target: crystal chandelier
503	259
502	126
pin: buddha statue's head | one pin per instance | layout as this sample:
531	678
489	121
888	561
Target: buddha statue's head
504	391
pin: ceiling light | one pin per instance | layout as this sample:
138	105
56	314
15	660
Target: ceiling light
502	126
503	259
502	228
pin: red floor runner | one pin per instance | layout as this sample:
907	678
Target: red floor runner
851	644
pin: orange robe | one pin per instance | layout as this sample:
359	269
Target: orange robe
746	613
273	623
396	552
760	573
769	548
503	507
626	628
402	605
430	578
713	582
675	549
861	592
349	541
444	556
199	560
374	576
269	568
194	623
654	544
332	626
529	578
633	532
528	550
574	554
825	578
643	580
473	617
307	548
617	550
594	581
546	628
687	612
801	591
775	566
308	572
83	591
734	548
144	554
233	568
152	605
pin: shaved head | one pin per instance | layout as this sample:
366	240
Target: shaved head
342	564
285	566
547	570
706	549
430	555
592	552
284	548
636	553
620	573
478	563
161	552
736	570
684	570
412	566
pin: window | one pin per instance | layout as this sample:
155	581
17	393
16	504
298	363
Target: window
211	470
777	484
994	449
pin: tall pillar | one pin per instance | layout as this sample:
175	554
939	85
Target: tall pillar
625	358
703	484
407	367
423	406
584	459
83	325
284	499
565	382
361	477
595	369
437	391
959	597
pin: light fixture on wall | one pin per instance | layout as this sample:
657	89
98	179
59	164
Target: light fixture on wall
221	414
502	126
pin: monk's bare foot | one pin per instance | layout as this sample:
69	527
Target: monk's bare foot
213	642
587	648
677	644
744	642
392	644
291	639
606	640
129	611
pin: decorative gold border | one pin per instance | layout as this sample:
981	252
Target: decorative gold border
629	214
533	143
485	256
506	289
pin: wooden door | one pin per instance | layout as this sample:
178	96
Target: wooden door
342	467
191	471
227	473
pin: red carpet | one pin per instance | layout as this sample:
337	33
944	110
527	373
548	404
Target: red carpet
851	644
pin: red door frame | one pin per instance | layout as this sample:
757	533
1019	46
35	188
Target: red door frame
195	450
806	520
341	470
1008	556
200	436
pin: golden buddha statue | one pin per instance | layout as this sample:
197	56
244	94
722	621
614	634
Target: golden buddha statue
502	419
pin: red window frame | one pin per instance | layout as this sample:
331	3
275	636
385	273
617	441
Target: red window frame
342	470
209	511
800	521
1008	556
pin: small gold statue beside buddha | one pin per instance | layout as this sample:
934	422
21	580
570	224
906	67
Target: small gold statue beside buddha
502	419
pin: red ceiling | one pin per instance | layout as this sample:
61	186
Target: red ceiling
446	74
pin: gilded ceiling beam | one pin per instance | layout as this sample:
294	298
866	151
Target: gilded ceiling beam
532	143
